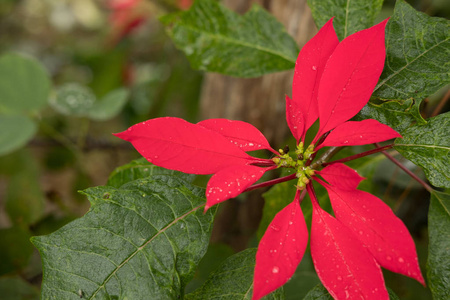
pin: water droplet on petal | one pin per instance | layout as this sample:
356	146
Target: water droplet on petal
339	278
314	68
401	260
388	257
275	270
347	294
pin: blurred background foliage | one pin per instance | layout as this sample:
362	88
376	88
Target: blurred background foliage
102	66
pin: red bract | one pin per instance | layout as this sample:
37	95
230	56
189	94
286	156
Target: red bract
126	15
333	80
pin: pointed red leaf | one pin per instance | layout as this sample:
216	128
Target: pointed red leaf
345	267
376	226
350	76
294	118
176	144
242	134
341	176
230	182
354	133
280	250
308	71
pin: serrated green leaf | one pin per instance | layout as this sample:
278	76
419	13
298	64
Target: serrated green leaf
438	267
320	293
233	280
16	131
109	106
417	55
428	146
216	39
350	15
141	241
24	84
73	99
141	168
397	114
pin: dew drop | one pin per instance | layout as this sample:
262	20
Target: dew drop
339	278
388	257
290	222
251	144
314	68
401	260
275	270
347	294
156	156
360	232
275	228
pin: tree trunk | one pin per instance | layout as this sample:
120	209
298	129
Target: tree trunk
259	101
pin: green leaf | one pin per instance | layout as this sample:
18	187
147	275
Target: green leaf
16	131
303	280
350	15
16	255
25	200
15	288
418	55
141	168
109	106
321	293
216	39
24	84
73	99
233	280
428	146
143	239
397	114
439	245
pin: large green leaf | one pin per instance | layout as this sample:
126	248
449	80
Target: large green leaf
397	114
320	293
24	84
140	168
233	280
142	241
350	15
428	146
16	131
216	39
418	55
439	247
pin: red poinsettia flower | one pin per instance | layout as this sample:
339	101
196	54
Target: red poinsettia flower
333	80
126	16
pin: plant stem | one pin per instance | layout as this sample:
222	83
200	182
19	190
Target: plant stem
356	156
441	104
407	171
270	182
326	156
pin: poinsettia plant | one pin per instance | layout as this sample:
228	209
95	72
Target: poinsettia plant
149	226
333	80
